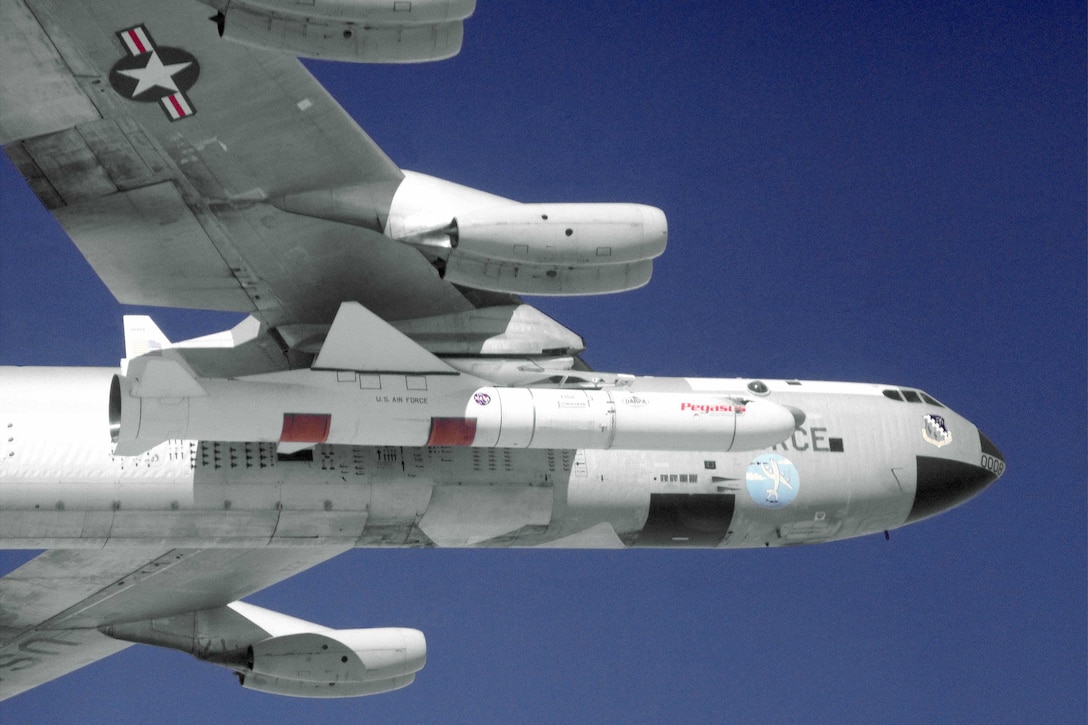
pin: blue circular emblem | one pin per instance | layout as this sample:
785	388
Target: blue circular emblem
481	398
773	481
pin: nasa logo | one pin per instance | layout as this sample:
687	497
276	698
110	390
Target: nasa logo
773	481
481	398
155	74
935	432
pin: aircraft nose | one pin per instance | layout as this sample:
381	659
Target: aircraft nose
944	483
992	460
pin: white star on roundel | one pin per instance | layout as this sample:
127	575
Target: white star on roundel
155	74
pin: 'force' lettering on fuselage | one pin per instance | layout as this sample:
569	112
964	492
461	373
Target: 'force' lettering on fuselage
811	439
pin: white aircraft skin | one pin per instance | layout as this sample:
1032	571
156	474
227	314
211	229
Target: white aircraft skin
852	468
197	474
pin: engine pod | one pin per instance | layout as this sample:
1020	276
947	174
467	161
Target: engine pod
556	249
377	12
562	234
343	35
348	655
302	688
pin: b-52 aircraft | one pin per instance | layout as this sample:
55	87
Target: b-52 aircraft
389	386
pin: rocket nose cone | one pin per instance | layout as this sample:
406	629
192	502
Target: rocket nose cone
761	424
798	415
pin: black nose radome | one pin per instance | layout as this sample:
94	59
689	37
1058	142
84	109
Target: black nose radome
944	483
991	456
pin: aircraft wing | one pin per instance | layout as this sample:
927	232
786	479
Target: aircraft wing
195	167
52	607
169	153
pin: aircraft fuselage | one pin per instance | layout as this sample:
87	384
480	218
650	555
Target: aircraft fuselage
866	458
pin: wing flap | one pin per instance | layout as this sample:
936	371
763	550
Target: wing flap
70	165
149	248
38	94
91	160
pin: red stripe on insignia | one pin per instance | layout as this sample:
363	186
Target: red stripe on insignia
135	37
305	427
177	106
452	432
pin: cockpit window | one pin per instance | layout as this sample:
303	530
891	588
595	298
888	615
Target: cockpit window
911	396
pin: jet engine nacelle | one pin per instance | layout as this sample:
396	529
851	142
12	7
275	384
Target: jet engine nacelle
343	655
303	688
377	12
277	653
562	234
556	249
487	242
362	31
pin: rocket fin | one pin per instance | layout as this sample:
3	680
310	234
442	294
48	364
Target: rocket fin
143	336
156	377
360	340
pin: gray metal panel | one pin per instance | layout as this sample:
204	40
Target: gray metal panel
278	128
90	160
313	265
37	92
149	248
467	515
70	165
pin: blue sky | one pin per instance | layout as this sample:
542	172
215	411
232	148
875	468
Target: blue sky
891	193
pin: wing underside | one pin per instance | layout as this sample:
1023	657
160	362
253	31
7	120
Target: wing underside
53	608
181	211
187	169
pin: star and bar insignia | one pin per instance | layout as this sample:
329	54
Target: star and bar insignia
151	73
